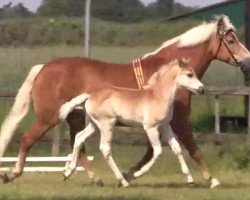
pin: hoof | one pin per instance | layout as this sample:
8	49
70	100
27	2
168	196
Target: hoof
66	175
214	183
122	183
119	184
128	176
99	183
8	178
191	184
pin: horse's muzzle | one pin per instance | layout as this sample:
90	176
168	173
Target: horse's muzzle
201	90
244	65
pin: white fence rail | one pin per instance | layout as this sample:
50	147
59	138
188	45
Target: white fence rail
65	160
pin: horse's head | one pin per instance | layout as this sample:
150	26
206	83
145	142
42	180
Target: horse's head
226	46
187	78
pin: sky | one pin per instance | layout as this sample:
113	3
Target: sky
34	4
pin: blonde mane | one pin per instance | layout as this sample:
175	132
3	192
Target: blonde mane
163	69
196	35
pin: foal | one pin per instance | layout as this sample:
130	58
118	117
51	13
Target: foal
149	107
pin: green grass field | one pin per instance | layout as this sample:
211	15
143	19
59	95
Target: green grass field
164	181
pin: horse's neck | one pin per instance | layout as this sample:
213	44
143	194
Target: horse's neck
199	56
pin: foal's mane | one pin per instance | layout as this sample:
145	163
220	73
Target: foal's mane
163	69
196	35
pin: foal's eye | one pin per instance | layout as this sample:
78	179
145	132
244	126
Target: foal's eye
190	75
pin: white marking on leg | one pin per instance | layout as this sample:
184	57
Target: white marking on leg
214	183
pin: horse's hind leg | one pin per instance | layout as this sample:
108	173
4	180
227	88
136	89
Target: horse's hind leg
76	121
106	127
79	141
27	140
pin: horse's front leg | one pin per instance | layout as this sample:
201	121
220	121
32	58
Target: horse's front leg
153	135
168	136
76	121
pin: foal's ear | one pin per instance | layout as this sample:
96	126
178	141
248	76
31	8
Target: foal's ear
183	62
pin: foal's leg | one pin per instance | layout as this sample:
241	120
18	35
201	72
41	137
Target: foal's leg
106	128
76	121
79	141
153	135
168	136
27	140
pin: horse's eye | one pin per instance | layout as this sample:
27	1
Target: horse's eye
190	75
231	41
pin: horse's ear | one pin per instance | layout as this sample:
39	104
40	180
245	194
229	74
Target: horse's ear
183	62
221	24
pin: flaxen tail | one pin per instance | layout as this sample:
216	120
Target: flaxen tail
18	110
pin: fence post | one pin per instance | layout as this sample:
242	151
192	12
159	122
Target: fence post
248	125
87	27
58	133
217	119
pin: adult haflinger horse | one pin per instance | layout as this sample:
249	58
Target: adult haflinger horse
51	85
151	106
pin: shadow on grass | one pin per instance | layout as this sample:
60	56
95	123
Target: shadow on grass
80	198
195	186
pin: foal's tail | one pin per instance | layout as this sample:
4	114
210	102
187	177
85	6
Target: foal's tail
19	109
70	105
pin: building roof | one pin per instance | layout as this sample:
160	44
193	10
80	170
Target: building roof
224	3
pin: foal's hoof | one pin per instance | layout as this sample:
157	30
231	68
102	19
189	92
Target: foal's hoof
66	176
191	184
122	183
214	183
8	178
99	183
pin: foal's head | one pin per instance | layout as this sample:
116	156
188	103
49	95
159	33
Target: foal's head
178	72
186	78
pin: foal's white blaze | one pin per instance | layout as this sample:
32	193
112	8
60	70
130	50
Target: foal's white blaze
189	81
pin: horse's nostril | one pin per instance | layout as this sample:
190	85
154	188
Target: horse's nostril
201	90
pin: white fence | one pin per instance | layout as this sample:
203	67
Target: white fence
64	160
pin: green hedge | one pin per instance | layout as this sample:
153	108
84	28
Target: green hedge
50	31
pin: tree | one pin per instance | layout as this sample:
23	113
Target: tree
53	8
119	11
21	11
16	11
165	8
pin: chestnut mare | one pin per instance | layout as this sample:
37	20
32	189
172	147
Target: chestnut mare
51	85
151	107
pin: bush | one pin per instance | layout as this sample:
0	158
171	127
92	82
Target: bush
69	30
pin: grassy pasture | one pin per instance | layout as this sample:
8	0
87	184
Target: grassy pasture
164	181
